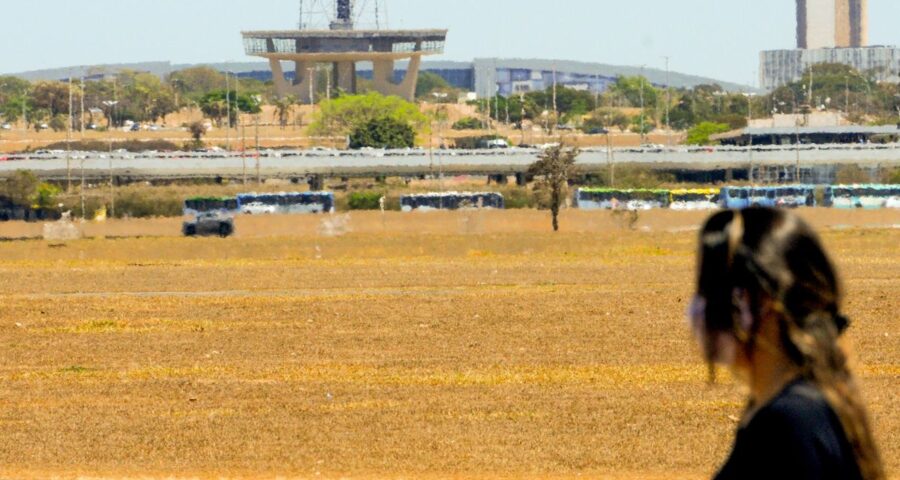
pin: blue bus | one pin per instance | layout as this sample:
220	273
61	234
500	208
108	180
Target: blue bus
867	197
616	199
197	205
787	196
452	201
285	203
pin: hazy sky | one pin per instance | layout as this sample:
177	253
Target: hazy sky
715	38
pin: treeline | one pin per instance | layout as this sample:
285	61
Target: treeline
129	96
633	103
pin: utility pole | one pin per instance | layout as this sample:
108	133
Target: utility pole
109	104
668	104
82	108
227	114
312	92
258	176
522	119
24	112
797	149
609	155
240	126
847	96
750	133
555	108
642	105
69	142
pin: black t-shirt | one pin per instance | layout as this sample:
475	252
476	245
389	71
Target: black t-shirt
796	436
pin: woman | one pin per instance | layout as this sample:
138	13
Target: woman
768	306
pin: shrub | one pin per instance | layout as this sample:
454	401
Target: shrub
367	200
519	198
700	134
129	145
138	204
383	133
468	123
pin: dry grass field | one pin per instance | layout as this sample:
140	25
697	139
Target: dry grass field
421	346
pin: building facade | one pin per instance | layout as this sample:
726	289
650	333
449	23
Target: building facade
832	24
780	67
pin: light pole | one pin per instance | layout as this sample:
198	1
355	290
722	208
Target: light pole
2	86
258	100
749	132
668	103
112	185
642	105
227	114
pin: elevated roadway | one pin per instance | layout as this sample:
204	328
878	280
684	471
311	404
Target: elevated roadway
379	163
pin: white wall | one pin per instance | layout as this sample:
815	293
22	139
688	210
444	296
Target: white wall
821	23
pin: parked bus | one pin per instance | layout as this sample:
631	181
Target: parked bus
788	196
614	199
197	205
452	201
867	197
695	199
285	203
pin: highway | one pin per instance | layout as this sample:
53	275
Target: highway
297	163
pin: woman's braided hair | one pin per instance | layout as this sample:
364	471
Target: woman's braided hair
777	258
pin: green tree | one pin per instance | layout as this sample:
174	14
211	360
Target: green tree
284	106
215	105
22	187
607	119
195	83
700	135
468	123
45	196
555	166
53	97
343	115
629	89
383	133
430	82
14	94
197	131
58	123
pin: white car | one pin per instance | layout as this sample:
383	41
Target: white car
6	126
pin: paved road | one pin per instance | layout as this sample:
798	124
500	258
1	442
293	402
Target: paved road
287	164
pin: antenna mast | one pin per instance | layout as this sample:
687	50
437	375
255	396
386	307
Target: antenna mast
300	25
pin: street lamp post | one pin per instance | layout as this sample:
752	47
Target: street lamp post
642	105
750	133
112	184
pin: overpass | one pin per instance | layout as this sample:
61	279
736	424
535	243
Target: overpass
302	164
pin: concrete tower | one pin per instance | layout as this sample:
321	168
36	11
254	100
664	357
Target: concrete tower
832	24
342	47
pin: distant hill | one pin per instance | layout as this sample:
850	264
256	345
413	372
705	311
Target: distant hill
261	70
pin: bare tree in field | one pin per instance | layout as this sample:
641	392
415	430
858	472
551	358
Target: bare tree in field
554	167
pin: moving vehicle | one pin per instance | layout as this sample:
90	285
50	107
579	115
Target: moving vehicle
209	224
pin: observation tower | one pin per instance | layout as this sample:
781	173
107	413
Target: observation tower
343	46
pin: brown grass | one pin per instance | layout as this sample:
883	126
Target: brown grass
388	352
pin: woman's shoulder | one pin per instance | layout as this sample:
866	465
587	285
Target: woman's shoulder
796	435
800	404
